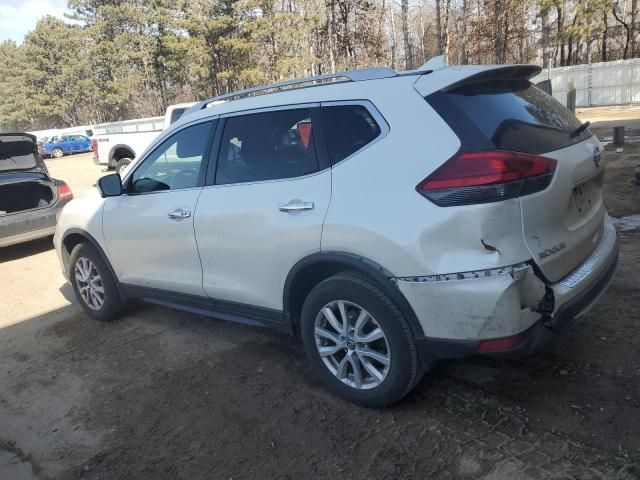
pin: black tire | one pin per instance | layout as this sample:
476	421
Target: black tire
404	372
123	162
57	153
113	304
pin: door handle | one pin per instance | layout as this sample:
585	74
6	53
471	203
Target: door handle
179	213
295	206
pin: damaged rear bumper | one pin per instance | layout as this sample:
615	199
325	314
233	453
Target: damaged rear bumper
532	339
506	312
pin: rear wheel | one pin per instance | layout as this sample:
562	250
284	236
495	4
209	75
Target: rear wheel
93	283
57	153
358	341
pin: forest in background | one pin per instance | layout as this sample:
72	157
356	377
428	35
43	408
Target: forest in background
121	59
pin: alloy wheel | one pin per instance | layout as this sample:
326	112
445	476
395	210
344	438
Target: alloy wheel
89	283
352	345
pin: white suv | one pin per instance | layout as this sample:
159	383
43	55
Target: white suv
390	219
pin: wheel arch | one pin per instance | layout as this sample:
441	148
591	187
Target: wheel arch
112	159
313	269
75	236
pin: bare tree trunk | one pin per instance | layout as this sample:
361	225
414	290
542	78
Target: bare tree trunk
331	35
522	33
408	60
312	66
438	29
560	10
445	28
354	50
382	21
604	36
614	10
422	52
394	43
544	14
463	60
570	58
505	40
634	10
497	30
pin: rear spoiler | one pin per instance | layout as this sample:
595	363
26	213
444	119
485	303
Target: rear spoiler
506	72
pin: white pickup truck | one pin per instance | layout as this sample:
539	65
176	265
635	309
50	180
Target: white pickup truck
116	144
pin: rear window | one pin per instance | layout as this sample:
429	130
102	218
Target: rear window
348	129
509	115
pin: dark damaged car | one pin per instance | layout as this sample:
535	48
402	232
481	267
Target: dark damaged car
30	200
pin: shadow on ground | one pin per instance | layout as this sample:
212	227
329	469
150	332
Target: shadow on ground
21	250
163	394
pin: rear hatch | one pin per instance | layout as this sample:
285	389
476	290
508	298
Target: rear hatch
563	224
500	110
24	183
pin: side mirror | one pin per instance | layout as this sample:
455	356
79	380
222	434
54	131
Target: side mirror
110	185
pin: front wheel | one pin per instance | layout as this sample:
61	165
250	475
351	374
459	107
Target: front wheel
57	153
358	341
94	285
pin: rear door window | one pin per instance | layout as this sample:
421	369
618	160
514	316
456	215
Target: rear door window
509	115
348	128
267	146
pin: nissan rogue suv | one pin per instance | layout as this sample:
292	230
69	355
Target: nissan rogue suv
390	219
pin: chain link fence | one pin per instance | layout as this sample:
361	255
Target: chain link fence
597	84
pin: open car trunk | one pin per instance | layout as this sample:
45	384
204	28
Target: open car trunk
24	182
25	191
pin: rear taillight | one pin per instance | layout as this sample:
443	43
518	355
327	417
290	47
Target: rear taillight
64	192
487	176
94	146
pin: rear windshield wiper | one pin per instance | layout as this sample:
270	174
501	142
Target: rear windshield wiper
579	130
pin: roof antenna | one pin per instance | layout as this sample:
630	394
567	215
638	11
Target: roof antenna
436	63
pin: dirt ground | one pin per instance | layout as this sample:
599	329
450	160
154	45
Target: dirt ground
162	394
603	119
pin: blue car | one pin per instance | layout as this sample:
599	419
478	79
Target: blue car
61	145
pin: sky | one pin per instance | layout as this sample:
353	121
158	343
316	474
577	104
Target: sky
18	17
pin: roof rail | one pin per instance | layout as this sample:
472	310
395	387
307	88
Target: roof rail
348	76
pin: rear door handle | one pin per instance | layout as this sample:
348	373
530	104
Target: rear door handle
295	206
179	213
